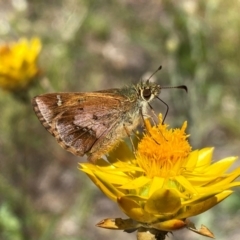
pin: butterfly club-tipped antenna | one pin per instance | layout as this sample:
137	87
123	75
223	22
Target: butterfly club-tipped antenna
184	87
158	69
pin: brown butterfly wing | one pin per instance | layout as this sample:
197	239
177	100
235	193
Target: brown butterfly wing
78	120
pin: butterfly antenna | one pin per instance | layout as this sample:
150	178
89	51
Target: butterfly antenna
184	87
166	110
159	68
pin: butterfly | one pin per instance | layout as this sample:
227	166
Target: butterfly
93	123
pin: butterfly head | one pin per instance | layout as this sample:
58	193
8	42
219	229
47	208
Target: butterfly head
148	90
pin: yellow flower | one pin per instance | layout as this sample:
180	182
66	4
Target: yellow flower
164	182
18	64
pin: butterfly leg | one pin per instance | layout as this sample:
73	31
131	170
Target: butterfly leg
141	113
154	114
129	135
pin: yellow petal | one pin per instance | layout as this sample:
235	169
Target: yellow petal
156	183
122	152
107	188
132	209
163	202
106	174
185	183
169	225
192	161
136	183
195	209
220	167
222	182
204	158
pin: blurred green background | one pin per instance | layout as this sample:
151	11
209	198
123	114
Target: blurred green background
91	45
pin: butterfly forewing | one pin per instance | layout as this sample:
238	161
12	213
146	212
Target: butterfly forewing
81	121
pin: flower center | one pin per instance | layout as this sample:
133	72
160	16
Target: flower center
163	152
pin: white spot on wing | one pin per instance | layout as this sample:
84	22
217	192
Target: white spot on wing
59	100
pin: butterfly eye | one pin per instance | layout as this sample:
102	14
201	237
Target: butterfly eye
146	94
